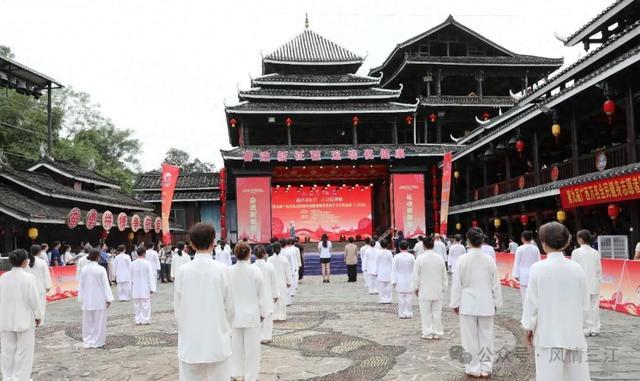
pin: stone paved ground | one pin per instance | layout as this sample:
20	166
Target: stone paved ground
335	332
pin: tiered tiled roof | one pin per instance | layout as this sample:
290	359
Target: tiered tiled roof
464	100
196	186
322	94
597	22
74	171
326	108
516	60
311	80
180	196
310	47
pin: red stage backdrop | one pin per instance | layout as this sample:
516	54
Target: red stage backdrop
409	213
253	195
335	211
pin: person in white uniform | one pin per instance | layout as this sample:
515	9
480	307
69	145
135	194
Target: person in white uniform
223	253
555	310
487	249
418	248
204	310
143	285
18	294
401	277
295	275
429	282
363	261
288	251
372	259
589	259
153	257
283	281
439	247
455	251
179	259
324	247
250	301
82	260
270	289
122	269
475	297
526	256
44	253
384	262
39	269
94	293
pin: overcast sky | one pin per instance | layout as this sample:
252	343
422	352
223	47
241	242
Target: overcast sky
164	68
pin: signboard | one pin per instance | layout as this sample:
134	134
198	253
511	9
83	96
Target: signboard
168	183
73	218
147	224
135	223
317	155
409	210
107	220
92	219
619	188
253	203
122	221
446	190
157	225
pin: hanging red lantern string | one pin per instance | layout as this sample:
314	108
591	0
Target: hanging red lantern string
433	117
408	119
555	130
474	224
233	122
485	116
613	211
355	120
524	219
609	108
288	122
520	147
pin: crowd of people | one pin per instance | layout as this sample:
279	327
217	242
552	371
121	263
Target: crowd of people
224	311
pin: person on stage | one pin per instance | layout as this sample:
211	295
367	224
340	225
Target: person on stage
40	269
94	293
401	276
21	314
204	310
363	261
283	281
455	251
526	256
418	248
122	270
251	302
589	259
324	247
180	257
556	309
371	255
351	260
429	282
384	262
475	297
143	286
270	289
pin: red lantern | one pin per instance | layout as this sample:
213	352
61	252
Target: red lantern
408	119
485	116
288	122
433	118
233	122
355	120
474	223
609	108
613	211
104	234
520	146
524	219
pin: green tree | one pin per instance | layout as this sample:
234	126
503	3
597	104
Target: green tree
182	159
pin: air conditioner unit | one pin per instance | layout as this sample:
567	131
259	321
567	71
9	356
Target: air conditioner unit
613	246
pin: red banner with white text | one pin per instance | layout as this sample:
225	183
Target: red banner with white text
168	183
446	190
409	212
253	203
603	191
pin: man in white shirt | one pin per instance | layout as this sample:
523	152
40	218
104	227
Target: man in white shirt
363	261
439	247
94	293
223	253
555	309
475	297
487	249
429	282
288	251
296	271
513	246
372	257
384	262
526	256
589	259
270	289
143	285
418	248
18	295
283	281
154	258
455	251
204	310
39	269
122	269
401	277
250	301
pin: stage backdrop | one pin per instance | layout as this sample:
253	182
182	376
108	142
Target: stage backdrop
336	211
253	195
407	200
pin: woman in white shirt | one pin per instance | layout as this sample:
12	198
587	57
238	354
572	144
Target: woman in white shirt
40	270
324	246
180	257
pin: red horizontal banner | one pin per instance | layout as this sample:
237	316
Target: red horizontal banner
613	189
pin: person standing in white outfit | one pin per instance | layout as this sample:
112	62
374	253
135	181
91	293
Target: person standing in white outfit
372	259
401	276
283	281
39	269
250	302
143	285
363	261
20	306
418	248
429	282
324	247
179	259
153	257
475	297
384	262
287	251
122	269
439	247
223	253
526	256
204	310
94	292
488	250
455	251
589	259
555	310
270	289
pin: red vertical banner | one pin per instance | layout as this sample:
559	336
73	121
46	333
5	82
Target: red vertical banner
253	203
446	191
168	183
409	212
223	203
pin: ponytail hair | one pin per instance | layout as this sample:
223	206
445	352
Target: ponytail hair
324	240
180	247
33	253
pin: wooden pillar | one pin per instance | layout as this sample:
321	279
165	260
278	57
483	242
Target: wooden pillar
439	83
467	182
394	132
509	227
289	136
484	180
355	135
575	151
578	218
536	158
438	131
632	154
428	88
507	167
480	79
426	130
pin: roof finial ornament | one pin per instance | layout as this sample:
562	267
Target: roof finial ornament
306	21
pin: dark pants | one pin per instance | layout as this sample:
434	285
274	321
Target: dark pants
352	273
165	272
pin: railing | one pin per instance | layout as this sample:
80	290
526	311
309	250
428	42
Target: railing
467	99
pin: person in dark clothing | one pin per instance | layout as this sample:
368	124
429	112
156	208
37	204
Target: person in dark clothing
301	248
269	248
56	260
